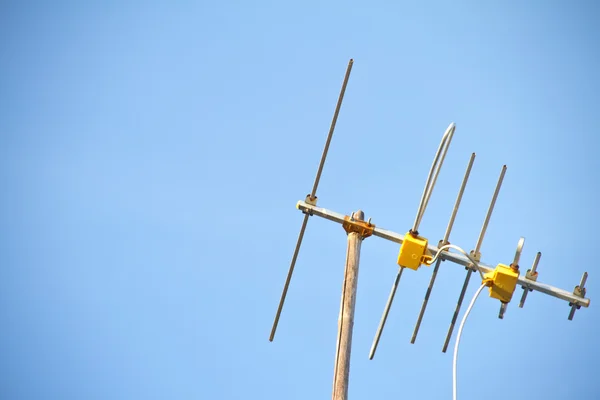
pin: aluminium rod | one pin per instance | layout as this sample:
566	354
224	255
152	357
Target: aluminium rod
532	272
581	288
456	258
489	214
457	309
518	252
436	166
444	241
386	311
312	198
289	277
331	129
477	255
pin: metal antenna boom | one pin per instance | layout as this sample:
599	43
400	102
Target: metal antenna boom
312	197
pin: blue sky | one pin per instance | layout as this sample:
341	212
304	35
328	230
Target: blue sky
151	156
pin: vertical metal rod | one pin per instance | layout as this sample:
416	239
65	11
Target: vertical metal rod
457	310
489	214
312	197
331	129
581	290
523	296
458	199
518	252
532	272
444	241
385	314
502	310
583	280
288	278
476	255
346	321
572	312
535	263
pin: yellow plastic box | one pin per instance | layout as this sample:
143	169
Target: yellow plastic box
413	252
504	282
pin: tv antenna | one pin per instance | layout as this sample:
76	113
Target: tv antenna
415	250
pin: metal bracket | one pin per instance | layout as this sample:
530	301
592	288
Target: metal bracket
476	255
311	200
363	228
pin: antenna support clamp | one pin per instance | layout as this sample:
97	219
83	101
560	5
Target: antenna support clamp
363	228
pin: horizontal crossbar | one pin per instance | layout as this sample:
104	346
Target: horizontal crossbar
453	257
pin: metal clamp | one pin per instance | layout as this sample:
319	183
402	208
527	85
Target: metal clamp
476	255
363	228
312	200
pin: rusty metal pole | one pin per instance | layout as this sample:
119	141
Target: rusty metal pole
346	318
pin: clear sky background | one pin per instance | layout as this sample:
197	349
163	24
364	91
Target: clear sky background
151	156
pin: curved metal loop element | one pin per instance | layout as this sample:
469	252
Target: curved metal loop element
438	160
515	263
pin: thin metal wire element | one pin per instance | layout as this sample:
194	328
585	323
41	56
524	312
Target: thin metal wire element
331	129
476	253
581	287
460	329
489	214
457	310
519	251
459	199
312	197
444	241
438	160
289	277
386	311
532	272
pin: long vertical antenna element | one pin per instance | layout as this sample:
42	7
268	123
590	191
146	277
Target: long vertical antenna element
436	166
331	129
312	197
443	242
477	255
386	311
